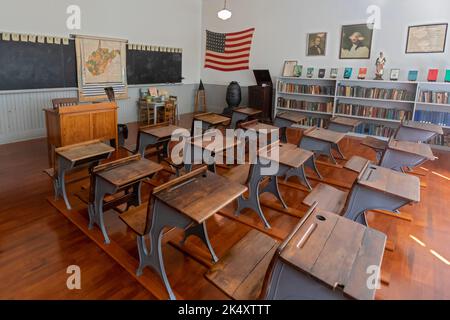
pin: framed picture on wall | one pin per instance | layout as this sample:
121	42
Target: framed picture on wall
317	44
356	41
288	69
428	38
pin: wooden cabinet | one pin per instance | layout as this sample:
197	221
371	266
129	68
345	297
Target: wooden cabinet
80	123
261	97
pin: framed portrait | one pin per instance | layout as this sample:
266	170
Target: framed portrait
317	44
395	74
356	41
428	38
288	69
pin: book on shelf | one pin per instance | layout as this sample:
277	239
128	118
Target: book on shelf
438	97
289	87
375	93
333	73
316	122
309	72
436	117
447	75
305	105
348	73
412	75
321	73
441	140
432	75
373	112
362	73
373	129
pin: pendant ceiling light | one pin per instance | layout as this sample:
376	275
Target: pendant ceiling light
224	14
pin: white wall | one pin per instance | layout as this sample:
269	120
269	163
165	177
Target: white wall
173	23
281	28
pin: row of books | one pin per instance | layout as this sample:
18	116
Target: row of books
441	97
305	105
439	118
441	140
373	112
375	130
308	89
375	93
316	122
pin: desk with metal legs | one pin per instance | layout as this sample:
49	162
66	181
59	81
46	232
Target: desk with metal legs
153	136
400	154
242	114
185	202
417	131
322	141
209	120
120	175
342	124
286	119
69	157
274	160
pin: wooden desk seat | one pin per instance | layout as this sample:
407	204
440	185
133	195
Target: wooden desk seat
374	143
240	273
328	198
136	219
356	163
324	257
238	174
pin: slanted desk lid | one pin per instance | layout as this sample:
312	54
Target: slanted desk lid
263	77
338	252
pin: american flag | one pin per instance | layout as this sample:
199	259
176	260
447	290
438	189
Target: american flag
228	51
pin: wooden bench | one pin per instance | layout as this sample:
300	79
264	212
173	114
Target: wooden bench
259	267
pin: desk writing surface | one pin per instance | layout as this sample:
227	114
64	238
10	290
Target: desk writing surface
130	172
336	251
423	126
346	121
325	135
201	196
209	143
258	126
389	181
291	116
420	149
161	132
248	111
81	152
288	154
211	118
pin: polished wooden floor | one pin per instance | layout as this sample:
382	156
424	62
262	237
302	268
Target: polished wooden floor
37	243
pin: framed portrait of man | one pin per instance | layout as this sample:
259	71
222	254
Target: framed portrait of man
428	38
356	41
317	44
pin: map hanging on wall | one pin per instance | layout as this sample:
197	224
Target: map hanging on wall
101	63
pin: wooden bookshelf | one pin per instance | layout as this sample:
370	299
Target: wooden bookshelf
410	103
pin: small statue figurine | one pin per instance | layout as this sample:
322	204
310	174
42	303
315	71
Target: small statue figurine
381	61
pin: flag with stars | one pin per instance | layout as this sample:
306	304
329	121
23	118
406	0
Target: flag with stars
228	51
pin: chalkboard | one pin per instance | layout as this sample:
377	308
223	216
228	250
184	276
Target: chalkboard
28	65
149	67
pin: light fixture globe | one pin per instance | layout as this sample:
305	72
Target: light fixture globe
224	14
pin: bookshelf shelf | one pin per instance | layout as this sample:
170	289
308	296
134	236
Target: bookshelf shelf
367	118
305	111
408	93
374	99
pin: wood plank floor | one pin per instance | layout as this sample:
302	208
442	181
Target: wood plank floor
37	243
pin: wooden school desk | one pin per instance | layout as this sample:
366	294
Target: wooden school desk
203	149
185	202
400	154
344	125
417	131
243	114
273	161
286	119
325	257
270	133
209	120
154	135
120	175
376	188
74	124
69	157
322	141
